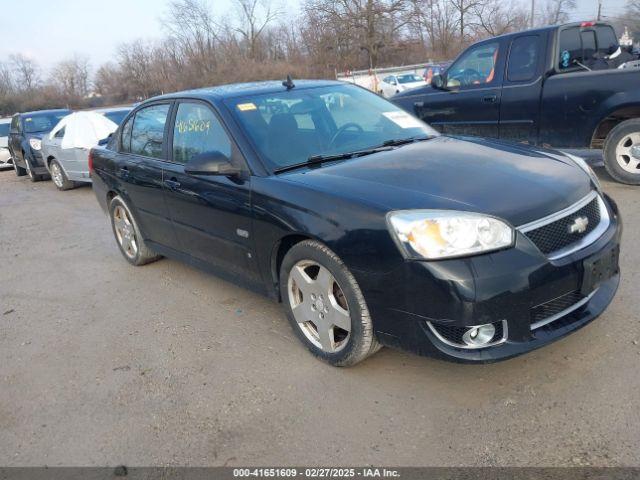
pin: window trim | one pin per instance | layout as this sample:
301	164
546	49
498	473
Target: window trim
132	115
237	157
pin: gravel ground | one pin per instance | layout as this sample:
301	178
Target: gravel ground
102	363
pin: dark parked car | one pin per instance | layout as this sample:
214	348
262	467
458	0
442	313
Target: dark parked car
370	227
555	87
25	137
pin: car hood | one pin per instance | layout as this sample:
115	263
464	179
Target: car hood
517	183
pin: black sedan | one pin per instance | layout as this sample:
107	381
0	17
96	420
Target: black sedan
370	227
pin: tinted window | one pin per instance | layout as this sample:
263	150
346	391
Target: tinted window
570	48
588	44
15	124
147	133
4	129
60	133
607	41
475	68
523	58
197	130
409	78
125	143
42	122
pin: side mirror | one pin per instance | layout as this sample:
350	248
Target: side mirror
437	82
211	163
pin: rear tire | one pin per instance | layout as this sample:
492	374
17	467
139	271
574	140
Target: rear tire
20	172
621	158
325	306
59	178
128	235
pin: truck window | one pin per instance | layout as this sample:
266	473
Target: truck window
570	48
588	38
523	58
476	67
607	41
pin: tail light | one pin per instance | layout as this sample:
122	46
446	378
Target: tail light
587	24
90	160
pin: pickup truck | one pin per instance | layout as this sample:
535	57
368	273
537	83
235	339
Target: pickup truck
559	87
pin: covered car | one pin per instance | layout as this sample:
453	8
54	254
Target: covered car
66	148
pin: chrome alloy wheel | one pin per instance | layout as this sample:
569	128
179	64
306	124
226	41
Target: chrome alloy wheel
319	306
628	153
125	233
56	175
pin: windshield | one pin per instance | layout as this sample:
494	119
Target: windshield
289	127
117	116
409	78
43	122
4	129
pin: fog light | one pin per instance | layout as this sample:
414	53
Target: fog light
480	335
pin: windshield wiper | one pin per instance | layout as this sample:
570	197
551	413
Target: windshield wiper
318	159
385	146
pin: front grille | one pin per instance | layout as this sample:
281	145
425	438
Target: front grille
554	307
454	334
557	235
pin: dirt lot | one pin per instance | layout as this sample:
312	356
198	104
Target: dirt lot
102	363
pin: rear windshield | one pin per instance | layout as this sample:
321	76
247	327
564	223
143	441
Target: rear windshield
43	122
4	129
582	45
117	116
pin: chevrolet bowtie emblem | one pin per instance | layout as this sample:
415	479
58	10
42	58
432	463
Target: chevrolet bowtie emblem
579	225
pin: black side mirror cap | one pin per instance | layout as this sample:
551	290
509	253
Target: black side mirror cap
437	82
211	163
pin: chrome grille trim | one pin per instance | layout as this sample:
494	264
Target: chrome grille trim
563	313
605	220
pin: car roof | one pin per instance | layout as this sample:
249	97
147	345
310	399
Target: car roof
544	29
251	88
44	112
124	108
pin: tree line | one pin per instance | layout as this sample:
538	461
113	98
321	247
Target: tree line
261	40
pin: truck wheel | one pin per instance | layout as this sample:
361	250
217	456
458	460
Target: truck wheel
59	178
622	152
20	172
128	235
325	306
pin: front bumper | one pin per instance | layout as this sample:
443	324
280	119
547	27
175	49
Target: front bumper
36	163
504	286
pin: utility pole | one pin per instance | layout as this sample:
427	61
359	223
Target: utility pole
599	10
533	11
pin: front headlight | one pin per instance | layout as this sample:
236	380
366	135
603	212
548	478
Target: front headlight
587	169
35	143
437	234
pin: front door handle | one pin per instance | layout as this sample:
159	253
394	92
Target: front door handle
173	184
490	99
124	172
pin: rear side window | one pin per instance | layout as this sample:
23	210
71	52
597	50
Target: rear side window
588	44
125	143
15	124
147	133
607	41
570	48
197	130
523	58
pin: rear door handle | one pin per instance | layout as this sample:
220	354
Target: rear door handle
124	172
173	184
490	99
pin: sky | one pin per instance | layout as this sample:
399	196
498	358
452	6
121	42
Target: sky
49	31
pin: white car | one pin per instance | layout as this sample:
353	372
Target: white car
5	156
397	83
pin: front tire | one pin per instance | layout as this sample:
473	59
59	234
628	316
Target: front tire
622	152
128	235
32	176
325	305
59	178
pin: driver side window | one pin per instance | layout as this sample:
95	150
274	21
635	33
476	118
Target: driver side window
475	69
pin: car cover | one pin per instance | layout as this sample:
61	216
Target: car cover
83	129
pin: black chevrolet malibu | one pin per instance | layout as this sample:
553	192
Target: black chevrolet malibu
370	227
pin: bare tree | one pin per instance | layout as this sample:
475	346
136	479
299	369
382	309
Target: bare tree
255	16
633	16
557	11
72	75
464	9
495	17
26	71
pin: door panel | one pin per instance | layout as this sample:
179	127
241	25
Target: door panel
522	88
471	105
211	214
